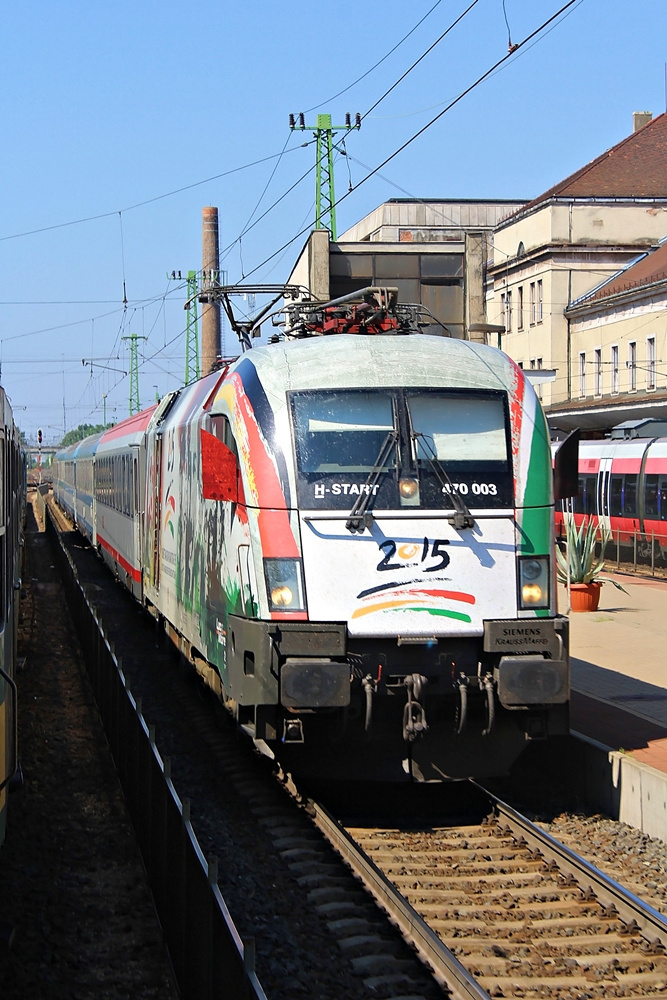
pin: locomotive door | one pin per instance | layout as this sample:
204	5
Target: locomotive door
603	492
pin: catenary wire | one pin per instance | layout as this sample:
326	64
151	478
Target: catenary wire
428	125
378	63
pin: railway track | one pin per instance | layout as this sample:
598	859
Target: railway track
493	909
502	909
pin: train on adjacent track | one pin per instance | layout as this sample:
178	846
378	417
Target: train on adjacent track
351	538
622	484
12	511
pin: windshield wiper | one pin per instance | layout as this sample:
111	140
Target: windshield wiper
462	518
360	517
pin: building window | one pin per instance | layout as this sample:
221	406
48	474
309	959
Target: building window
614	368
598	371
508	303
582	373
539	301
536	365
519	308
632	366
650	363
503	310
532	304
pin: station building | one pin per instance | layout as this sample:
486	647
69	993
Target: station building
577	280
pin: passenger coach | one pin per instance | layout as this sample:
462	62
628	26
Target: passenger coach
12	515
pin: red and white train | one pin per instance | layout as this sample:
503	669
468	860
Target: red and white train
623	485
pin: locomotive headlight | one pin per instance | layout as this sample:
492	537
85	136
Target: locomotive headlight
284	584
534	583
408	490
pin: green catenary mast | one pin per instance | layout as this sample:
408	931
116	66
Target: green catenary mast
192	371
325	200
135	405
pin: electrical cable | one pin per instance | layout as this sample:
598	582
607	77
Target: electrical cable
230	246
431	107
227	250
375	65
259	200
422	56
428	125
148	201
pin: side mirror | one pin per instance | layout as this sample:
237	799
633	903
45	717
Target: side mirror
566	468
219	469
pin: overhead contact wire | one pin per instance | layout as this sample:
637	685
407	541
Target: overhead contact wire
428	125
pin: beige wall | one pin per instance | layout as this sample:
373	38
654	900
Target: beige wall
585	223
571	248
620	325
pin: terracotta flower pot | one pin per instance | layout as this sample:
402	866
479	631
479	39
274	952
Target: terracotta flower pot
585	596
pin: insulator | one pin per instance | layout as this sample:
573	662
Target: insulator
291	121
348	121
302	120
357	120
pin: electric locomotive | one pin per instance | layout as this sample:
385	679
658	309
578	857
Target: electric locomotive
351	537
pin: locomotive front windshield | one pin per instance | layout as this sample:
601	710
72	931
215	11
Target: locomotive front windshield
441	442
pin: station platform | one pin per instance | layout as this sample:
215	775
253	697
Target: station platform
619	668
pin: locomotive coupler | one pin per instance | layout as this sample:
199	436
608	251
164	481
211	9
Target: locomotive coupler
490	704
414	716
370	687
462	707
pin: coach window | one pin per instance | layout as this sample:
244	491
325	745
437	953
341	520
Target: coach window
126	505
616	501
655	497
651	497
589	494
630	496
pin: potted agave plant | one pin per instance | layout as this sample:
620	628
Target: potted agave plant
580	566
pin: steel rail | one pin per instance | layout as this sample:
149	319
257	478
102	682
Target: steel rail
608	892
441	960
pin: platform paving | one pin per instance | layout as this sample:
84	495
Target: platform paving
619	657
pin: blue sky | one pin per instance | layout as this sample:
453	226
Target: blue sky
108	109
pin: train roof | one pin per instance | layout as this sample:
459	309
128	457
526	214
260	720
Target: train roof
128	431
87	447
356	361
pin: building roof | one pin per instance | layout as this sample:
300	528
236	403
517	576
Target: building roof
649	269
636	167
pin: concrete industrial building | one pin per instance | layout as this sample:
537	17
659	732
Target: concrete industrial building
434	252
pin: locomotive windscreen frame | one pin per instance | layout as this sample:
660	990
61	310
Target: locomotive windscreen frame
338	436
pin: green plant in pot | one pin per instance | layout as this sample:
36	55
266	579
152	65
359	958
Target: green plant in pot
583	562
